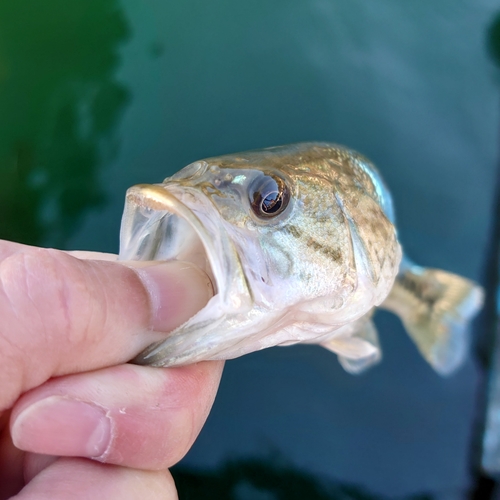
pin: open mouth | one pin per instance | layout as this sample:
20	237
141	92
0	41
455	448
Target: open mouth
157	226
172	222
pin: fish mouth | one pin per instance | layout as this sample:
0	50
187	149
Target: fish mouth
165	222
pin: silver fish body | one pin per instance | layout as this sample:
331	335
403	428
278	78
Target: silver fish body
300	244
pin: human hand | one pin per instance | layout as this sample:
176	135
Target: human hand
77	421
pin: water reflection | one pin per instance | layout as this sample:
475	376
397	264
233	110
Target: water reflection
60	102
493	40
264	479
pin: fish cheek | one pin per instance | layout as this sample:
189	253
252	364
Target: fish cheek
279	258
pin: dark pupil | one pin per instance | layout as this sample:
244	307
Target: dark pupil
272	202
269	196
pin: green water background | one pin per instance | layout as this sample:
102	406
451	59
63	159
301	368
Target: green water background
98	95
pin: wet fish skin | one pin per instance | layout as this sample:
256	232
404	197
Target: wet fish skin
311	273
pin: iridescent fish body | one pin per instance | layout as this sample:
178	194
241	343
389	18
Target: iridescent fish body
301	247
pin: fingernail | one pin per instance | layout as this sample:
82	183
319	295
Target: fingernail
62	427
178	290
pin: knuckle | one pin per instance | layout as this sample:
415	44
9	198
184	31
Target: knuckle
41	292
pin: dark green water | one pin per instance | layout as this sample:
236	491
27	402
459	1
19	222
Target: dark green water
60	104
98	95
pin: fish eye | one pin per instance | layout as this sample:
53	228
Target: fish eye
269	196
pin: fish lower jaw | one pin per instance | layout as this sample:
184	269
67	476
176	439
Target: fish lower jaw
216	333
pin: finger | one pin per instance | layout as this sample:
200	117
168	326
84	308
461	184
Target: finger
81	254
81	479
8	248
35	463
11	464
140	417
61	314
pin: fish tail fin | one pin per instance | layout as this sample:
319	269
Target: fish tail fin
436	307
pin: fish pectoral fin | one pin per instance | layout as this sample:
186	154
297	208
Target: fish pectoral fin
436	308
358	351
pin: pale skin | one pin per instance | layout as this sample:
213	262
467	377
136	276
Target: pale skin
76	420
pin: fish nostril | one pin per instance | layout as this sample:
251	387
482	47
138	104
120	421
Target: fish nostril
192	171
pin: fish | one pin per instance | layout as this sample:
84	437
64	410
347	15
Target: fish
301	246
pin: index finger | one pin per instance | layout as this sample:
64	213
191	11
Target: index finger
61	314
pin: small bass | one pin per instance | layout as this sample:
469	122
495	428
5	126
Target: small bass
301	247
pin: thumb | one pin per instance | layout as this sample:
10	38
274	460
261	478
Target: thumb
61	314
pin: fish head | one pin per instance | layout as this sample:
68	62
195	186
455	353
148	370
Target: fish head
271	230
